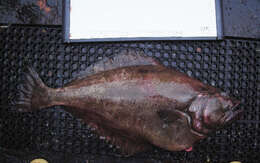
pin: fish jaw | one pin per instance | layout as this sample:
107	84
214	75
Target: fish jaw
233	113
231	106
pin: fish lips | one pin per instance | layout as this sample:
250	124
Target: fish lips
233	113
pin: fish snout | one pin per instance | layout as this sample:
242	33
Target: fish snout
233	111
232	105
228	103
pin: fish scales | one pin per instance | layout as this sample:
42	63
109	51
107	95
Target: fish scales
136	103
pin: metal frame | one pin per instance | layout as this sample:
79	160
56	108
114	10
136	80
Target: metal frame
66	29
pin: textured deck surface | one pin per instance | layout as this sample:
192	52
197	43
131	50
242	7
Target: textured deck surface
232	65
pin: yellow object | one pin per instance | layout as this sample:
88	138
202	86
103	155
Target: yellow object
235	162
39	161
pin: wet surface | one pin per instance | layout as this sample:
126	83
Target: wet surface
231	65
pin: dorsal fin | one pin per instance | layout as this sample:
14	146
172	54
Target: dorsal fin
123	59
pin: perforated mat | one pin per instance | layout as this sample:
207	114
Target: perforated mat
231	65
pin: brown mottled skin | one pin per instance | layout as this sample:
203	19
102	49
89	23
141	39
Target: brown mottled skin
143	105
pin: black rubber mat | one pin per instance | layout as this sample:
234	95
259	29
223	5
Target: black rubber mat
231	65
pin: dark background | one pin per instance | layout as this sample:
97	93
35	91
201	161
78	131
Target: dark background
232	64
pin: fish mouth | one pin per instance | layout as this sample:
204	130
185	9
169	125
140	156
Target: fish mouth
233	113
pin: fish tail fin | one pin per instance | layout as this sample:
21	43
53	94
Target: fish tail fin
33	93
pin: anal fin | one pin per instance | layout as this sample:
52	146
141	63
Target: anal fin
128	144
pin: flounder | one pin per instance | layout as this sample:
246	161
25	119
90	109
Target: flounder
136	103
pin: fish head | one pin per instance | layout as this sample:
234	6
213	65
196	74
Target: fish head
220	110
210	112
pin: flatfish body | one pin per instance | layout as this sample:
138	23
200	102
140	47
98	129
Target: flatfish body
136	103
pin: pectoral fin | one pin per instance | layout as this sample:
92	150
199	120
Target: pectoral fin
169	116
